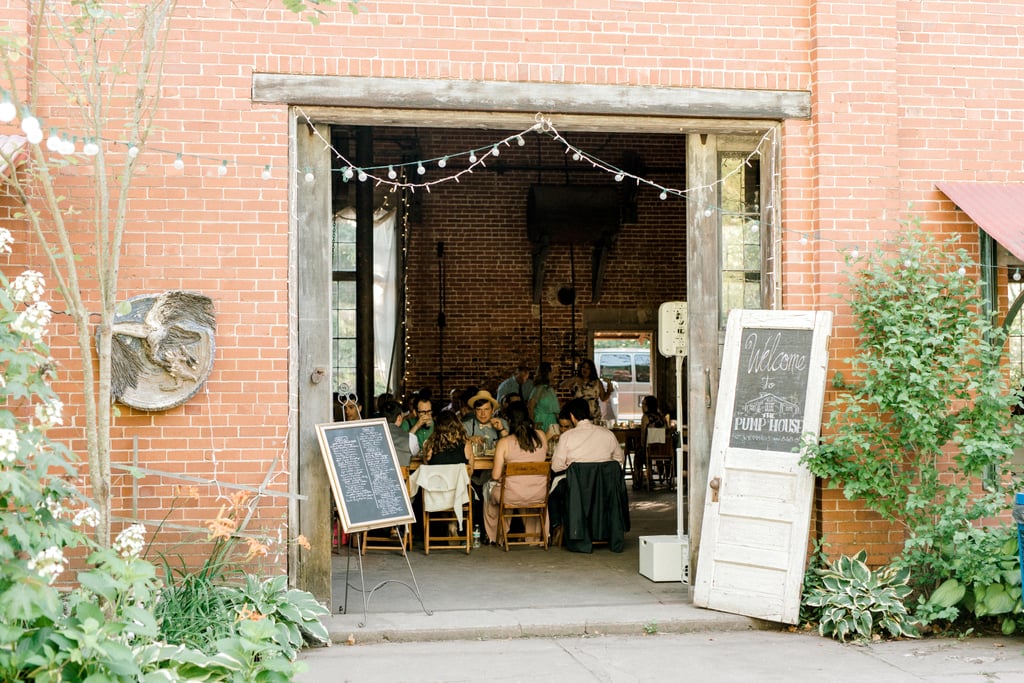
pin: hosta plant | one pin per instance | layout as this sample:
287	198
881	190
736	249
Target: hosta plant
853	602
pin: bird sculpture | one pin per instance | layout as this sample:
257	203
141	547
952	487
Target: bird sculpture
170	336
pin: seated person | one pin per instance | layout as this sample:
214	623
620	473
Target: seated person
585	442
407	446
420	421
652	417
525	443
448	444
483	427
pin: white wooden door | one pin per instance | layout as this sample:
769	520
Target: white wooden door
753	542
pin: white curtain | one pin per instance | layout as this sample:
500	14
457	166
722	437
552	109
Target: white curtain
385	297
385	291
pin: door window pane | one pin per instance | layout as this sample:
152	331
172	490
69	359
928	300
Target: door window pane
740	232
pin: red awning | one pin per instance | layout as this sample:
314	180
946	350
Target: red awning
997	208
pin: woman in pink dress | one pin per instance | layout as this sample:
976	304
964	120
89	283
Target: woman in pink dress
524	443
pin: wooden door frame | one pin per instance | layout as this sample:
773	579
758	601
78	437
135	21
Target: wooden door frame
316	102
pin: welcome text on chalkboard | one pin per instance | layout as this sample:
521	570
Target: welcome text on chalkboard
366	477
771	389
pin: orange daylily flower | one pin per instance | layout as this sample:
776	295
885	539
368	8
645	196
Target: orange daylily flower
222	527
250	614
256	548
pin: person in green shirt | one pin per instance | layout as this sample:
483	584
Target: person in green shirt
544	403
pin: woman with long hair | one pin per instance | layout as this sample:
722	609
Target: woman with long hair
586	384
448	444
524	443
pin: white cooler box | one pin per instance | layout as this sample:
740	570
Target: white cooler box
665	558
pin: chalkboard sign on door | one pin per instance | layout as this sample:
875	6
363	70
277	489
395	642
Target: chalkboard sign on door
365	475
771	388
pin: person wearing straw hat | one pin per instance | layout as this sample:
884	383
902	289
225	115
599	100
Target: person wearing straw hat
483	427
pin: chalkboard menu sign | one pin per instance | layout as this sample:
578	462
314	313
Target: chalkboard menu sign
771	389
365	475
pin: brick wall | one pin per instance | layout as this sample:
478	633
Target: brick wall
904	94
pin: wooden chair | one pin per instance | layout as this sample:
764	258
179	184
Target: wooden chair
509	509
661	458
396	539
447	498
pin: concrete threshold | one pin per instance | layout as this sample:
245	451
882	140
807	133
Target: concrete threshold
490	624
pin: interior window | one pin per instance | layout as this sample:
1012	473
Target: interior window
740	231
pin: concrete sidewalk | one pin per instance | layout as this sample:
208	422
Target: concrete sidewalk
722	657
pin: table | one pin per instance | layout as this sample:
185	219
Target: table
480	463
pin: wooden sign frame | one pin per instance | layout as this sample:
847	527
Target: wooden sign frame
365	475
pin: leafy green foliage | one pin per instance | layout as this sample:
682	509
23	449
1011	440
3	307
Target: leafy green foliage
984	590
852	601
926	412
115	621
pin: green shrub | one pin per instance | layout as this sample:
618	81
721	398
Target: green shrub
985	590
852	601
924	418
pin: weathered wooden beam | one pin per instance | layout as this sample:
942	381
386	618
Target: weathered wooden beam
395	95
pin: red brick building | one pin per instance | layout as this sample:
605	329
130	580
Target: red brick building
781	134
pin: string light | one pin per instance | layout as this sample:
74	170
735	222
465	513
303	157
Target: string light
266	172
179	163
133	151
420	169
90	149
443	162
309	177
392	174
7	109
495	151
53	142
222	170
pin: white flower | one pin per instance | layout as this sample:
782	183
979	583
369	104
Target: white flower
131	541
8	445
29	286
6	240
89	516
48	563
33	320
49	412
54	506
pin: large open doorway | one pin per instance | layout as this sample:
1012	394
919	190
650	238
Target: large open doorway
333	101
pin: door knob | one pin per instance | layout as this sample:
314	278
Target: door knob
715	484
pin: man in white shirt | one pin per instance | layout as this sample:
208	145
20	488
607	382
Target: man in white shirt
586	441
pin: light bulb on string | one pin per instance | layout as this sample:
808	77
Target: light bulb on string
855	253
619	177
663	195
29	123
34	135
346	175
420	170
91	149
266	172
803	238
442	162
179	163
7	110
66	146
222	170
575	155
961	271
495	151
133	150
309	177
520	141
53	142
392	174
1016	274
362	176
708	212
472	157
